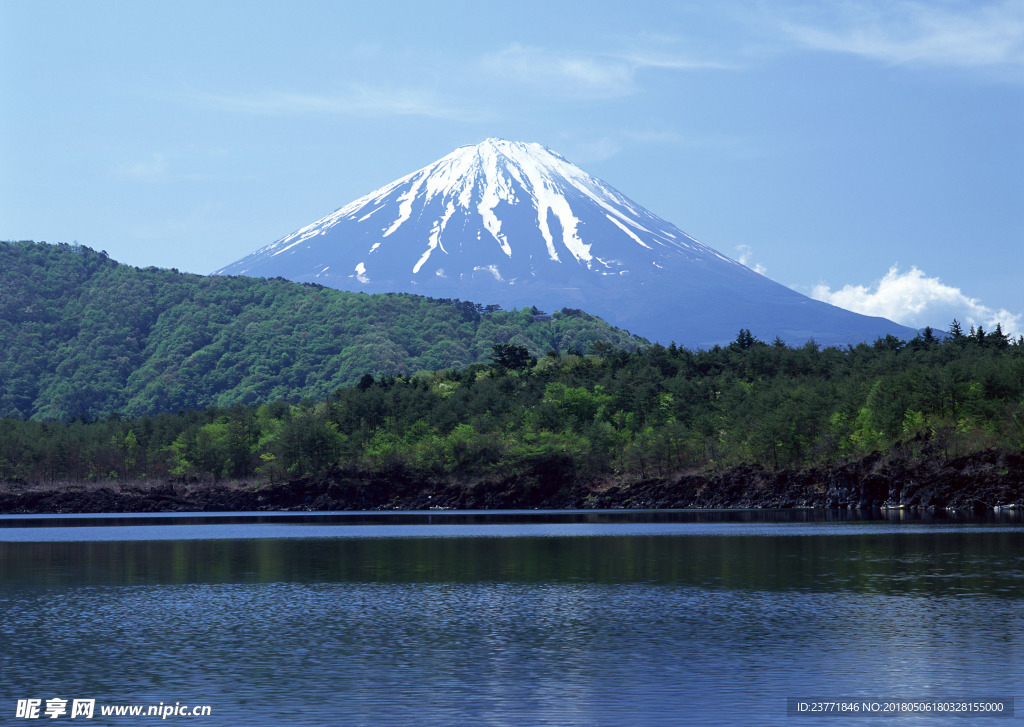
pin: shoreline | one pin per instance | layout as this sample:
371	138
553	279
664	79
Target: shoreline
982	481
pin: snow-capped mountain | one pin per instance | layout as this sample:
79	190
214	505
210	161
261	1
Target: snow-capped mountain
516	224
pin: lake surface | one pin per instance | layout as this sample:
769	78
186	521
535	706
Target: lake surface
517	618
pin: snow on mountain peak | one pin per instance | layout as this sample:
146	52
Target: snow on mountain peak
496	180
517	224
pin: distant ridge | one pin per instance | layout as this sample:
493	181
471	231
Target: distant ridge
517	224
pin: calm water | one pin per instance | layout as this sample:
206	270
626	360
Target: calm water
511	618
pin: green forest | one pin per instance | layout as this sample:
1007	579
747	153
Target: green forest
600	414
82	335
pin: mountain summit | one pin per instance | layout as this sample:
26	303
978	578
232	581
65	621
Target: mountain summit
516	224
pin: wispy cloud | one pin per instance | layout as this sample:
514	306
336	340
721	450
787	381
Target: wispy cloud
189	163
734	145
581	74
152	168
356	101
592	150
950	34
671	61
746	257
915	300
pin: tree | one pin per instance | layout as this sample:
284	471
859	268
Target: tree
512	357
997	338
308	443
131	451
744	340
889	343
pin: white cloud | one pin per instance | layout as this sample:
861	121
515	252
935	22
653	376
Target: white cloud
950	34
746	258
587	75
914	300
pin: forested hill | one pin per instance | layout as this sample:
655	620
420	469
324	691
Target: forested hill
84	336
920	423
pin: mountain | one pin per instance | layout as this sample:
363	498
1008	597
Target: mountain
516	224
82	335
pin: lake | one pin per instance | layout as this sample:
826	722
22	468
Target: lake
513	618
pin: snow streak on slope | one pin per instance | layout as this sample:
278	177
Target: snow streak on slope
518	225
499	183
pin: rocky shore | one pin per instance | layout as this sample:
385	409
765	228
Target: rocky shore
980	481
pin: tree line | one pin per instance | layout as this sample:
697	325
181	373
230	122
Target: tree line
600	413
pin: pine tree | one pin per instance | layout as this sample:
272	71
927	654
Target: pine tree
998	338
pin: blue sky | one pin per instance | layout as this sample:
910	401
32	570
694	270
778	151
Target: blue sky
868	153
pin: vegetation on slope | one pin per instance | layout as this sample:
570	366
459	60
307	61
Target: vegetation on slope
82	335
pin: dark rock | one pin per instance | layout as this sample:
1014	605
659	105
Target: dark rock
924	480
